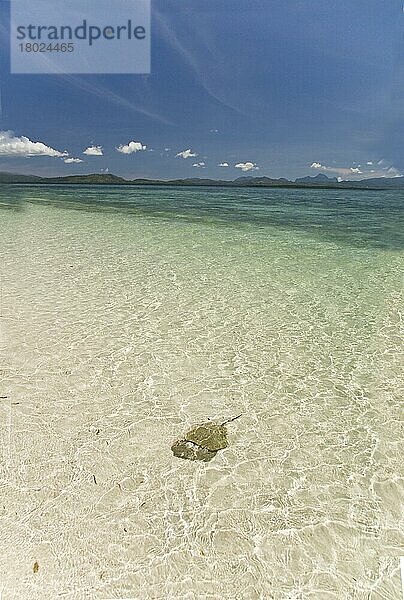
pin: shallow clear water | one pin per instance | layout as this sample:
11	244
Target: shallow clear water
130	314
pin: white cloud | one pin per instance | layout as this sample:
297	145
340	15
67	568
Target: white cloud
223	164
347	172
387	171
392	171
247	166
187	154
11	145
201	165
69	161
131	147
344	171
94	151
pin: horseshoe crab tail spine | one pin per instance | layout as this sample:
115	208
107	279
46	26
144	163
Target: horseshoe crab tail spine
232	419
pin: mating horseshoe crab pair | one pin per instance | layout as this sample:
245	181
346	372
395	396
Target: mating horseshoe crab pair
203	441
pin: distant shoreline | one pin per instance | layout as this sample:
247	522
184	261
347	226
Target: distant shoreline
395	183
212	186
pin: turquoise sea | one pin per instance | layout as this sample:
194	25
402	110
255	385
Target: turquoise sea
129	314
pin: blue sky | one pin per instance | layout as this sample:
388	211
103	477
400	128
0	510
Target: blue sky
281	88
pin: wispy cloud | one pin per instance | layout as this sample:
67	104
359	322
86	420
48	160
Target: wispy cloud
166	31
187	154
11	145
94	151
247	166
108	95
200	165
131	147
223	164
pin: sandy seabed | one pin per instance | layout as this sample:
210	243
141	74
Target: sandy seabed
119	332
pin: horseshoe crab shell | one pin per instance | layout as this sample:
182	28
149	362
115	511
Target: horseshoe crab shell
191	451
203	441
209	435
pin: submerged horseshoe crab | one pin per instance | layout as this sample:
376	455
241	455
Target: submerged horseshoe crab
203	441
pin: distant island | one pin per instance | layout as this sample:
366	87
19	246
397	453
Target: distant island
317	181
